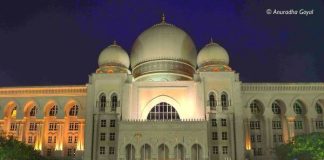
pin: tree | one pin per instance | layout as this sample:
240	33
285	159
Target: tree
302	147
12	149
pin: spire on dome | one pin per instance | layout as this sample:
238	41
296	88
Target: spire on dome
211	40
163	18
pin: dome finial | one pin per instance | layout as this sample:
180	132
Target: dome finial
114	42
211	40
163	18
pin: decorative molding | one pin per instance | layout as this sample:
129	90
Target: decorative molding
43	91
290	87
163	66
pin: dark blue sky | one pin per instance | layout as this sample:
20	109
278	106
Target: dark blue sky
58	42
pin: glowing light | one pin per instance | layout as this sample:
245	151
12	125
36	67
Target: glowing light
38	145
14	113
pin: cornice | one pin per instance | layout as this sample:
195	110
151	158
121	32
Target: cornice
43	91
285	87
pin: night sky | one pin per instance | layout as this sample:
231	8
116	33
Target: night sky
57	42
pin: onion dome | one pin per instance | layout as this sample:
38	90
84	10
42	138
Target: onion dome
163	52
213	57
113	59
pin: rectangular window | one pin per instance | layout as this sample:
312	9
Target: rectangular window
54	139
319	125
70	152
225	150
13	127
32	126
259	138
223	122
252	138
30	139
112	136
75	139
102	150
276	124
111	150
102	136
259	151
214	136
103	123
52	126
254	124
214	122
112	123
280	138
71	126
224	135
49	139
74	126
215	149
298	124
70	139
49	152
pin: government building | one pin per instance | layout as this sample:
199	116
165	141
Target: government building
166	101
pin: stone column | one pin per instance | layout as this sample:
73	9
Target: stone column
291	127
231	133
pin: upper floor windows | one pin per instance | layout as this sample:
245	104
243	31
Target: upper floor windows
212	100
114	102
53	111
74	110
276	108
254	124
163	111
103	102
298	107
224	101
32	112
318	108
255	107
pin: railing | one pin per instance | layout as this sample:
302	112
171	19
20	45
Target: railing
102	106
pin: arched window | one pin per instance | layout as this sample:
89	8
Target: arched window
74	110
130	152
224	101
255	108
179	152
114	102
163	152
102	103
276	108
163	111
14	112
196	152
318	108
53	111
298	107
146	152
32	112
212	101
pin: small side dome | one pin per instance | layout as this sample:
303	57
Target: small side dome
214	53
213	57
113	59
114	55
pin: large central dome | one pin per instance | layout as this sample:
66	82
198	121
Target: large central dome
163	48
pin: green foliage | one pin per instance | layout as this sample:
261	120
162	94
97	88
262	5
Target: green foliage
303	147
12	149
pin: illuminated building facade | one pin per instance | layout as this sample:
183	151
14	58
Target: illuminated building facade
164	102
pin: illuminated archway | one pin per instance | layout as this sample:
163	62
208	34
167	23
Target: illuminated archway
158	100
